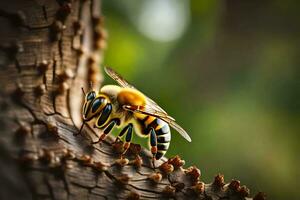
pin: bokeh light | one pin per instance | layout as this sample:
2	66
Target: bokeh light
163	21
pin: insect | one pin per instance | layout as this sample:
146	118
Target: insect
126	107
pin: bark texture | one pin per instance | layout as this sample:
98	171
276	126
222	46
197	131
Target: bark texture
48	51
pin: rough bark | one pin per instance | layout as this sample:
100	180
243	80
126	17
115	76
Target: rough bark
48	51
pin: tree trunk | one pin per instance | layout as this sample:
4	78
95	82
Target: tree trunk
48	51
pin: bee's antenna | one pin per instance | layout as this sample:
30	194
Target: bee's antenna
153	163
83	91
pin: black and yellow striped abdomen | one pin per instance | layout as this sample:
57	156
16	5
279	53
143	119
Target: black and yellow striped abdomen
162	131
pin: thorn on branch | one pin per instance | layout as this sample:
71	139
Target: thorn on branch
198	188
80	51
40	90
58	26
78	27
178	186
169	191
234	185
86	160
52	128
62	88
43	67
155	177
194	174
64	11
92	60
260	196
133	196
176	161
23	130
219	181
137	162
244	191
100	34
47	156
69	154
66	74
122	179
99	166
93	69
18	94
56	30
98	20
135	149
166	168
118	147
28	158
122	162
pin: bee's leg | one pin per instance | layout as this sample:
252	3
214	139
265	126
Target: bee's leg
153	162
79	132
153	143
124	130
128	138
107	130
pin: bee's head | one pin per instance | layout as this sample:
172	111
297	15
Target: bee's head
93	104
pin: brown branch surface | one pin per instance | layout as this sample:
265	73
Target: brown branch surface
48	51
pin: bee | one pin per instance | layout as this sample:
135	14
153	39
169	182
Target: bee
126	107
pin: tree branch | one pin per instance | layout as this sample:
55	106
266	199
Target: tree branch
49	50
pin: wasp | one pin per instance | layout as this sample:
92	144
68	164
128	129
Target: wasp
126	107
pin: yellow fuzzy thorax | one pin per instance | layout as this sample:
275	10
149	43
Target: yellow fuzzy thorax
128	96
125	96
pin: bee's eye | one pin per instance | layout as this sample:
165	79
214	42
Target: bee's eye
90	96
97	103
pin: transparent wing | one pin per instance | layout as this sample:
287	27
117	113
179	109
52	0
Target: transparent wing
179	129
122	82
149	111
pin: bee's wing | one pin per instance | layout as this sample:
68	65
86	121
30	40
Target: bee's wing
122	82
149	111
151	107
179	129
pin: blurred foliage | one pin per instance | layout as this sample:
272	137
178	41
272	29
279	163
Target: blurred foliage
230	78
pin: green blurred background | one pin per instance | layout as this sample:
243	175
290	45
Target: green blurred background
228	71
